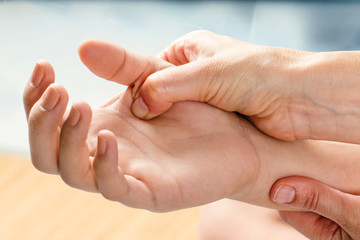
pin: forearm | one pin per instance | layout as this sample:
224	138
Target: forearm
335	164
324	99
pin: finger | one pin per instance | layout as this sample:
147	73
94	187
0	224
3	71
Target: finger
176	53
309	195
190	47
111	181
74	157
195	81
112	62
312	225
45	119
42	76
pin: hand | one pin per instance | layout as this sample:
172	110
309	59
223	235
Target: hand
229	74
288	94
178	160
324	212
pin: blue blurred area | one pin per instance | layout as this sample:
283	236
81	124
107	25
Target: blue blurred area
315	26
30	30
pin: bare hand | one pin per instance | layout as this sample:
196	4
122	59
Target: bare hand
286	93
226	73
180	159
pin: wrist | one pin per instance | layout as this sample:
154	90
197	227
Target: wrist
318	160
277	159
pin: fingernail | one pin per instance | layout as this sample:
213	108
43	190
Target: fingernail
50	99
139	108
284	194
101	145
36	76
74	117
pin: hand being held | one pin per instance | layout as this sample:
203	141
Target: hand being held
174	161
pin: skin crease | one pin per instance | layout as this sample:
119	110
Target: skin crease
178	160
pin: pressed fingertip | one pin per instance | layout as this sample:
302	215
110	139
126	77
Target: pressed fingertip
139	108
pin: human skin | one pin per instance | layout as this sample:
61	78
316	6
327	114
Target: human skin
318	211
288	94
191	155
281	89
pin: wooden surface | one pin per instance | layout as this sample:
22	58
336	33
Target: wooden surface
35	206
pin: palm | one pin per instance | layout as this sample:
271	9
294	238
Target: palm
190	155
183	157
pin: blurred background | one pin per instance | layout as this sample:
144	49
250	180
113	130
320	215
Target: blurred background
52	30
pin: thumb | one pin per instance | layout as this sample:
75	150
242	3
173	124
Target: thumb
189	82
306	194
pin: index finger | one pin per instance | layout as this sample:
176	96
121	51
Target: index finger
115	63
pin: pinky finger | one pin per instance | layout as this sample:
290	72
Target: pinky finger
110	178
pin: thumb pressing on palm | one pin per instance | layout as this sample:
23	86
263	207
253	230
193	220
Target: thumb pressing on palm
189	82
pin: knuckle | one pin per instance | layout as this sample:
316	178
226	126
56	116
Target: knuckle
310	200
72	179
64	142
156	86
69	180
34	122
179	49
37	164
112	193
101	170
284	216
44	167
38	121
97	165
212	83
109	196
